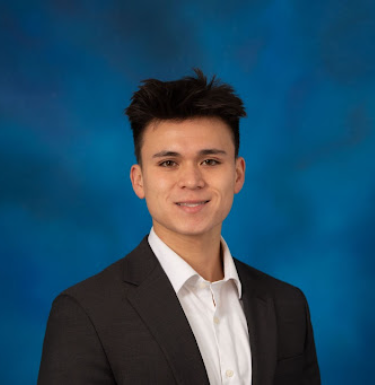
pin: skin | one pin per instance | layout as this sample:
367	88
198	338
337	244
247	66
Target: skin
189	176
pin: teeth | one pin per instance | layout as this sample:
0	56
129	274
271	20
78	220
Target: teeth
191	204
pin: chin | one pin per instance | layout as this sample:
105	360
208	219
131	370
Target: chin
188	227
192	233
193	230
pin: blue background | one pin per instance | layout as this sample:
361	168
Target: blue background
306	71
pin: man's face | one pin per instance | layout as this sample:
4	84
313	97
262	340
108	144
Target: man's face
188	176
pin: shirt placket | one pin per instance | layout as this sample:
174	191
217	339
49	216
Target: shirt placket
227	367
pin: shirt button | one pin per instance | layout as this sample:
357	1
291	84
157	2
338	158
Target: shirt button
203	285
229	373
216	320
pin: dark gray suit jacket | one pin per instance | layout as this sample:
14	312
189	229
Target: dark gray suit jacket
125	325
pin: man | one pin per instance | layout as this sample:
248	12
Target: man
179	309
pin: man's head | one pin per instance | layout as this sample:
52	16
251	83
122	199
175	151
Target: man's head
186	141
184	99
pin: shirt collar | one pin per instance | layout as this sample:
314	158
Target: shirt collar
179	271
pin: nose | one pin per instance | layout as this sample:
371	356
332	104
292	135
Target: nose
191	177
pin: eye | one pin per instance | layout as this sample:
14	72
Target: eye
168	163
210	162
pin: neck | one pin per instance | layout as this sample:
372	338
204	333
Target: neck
201	252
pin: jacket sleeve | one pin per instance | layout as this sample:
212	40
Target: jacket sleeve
72	352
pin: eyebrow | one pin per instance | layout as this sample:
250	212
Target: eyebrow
206	151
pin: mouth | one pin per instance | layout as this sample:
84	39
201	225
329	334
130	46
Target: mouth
192	204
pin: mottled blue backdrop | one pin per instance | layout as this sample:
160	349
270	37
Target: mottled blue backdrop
306	71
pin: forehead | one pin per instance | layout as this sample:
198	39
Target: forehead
195	132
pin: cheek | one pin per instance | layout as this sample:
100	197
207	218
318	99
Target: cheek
229	188
156	186
228	191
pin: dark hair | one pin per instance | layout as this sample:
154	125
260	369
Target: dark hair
182	99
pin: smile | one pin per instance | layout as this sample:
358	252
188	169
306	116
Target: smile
192	204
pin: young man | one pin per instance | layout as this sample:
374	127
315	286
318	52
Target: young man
179	309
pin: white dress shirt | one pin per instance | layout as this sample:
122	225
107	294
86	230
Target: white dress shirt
214	313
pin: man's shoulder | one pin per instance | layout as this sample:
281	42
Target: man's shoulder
102	285
266	285
107	284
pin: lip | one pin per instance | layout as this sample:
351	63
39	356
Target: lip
192	206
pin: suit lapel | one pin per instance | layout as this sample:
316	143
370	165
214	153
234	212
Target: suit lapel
156	302
261	323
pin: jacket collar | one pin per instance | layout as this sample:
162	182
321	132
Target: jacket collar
155	300
261	322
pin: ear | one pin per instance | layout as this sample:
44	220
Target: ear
240	174
137	180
